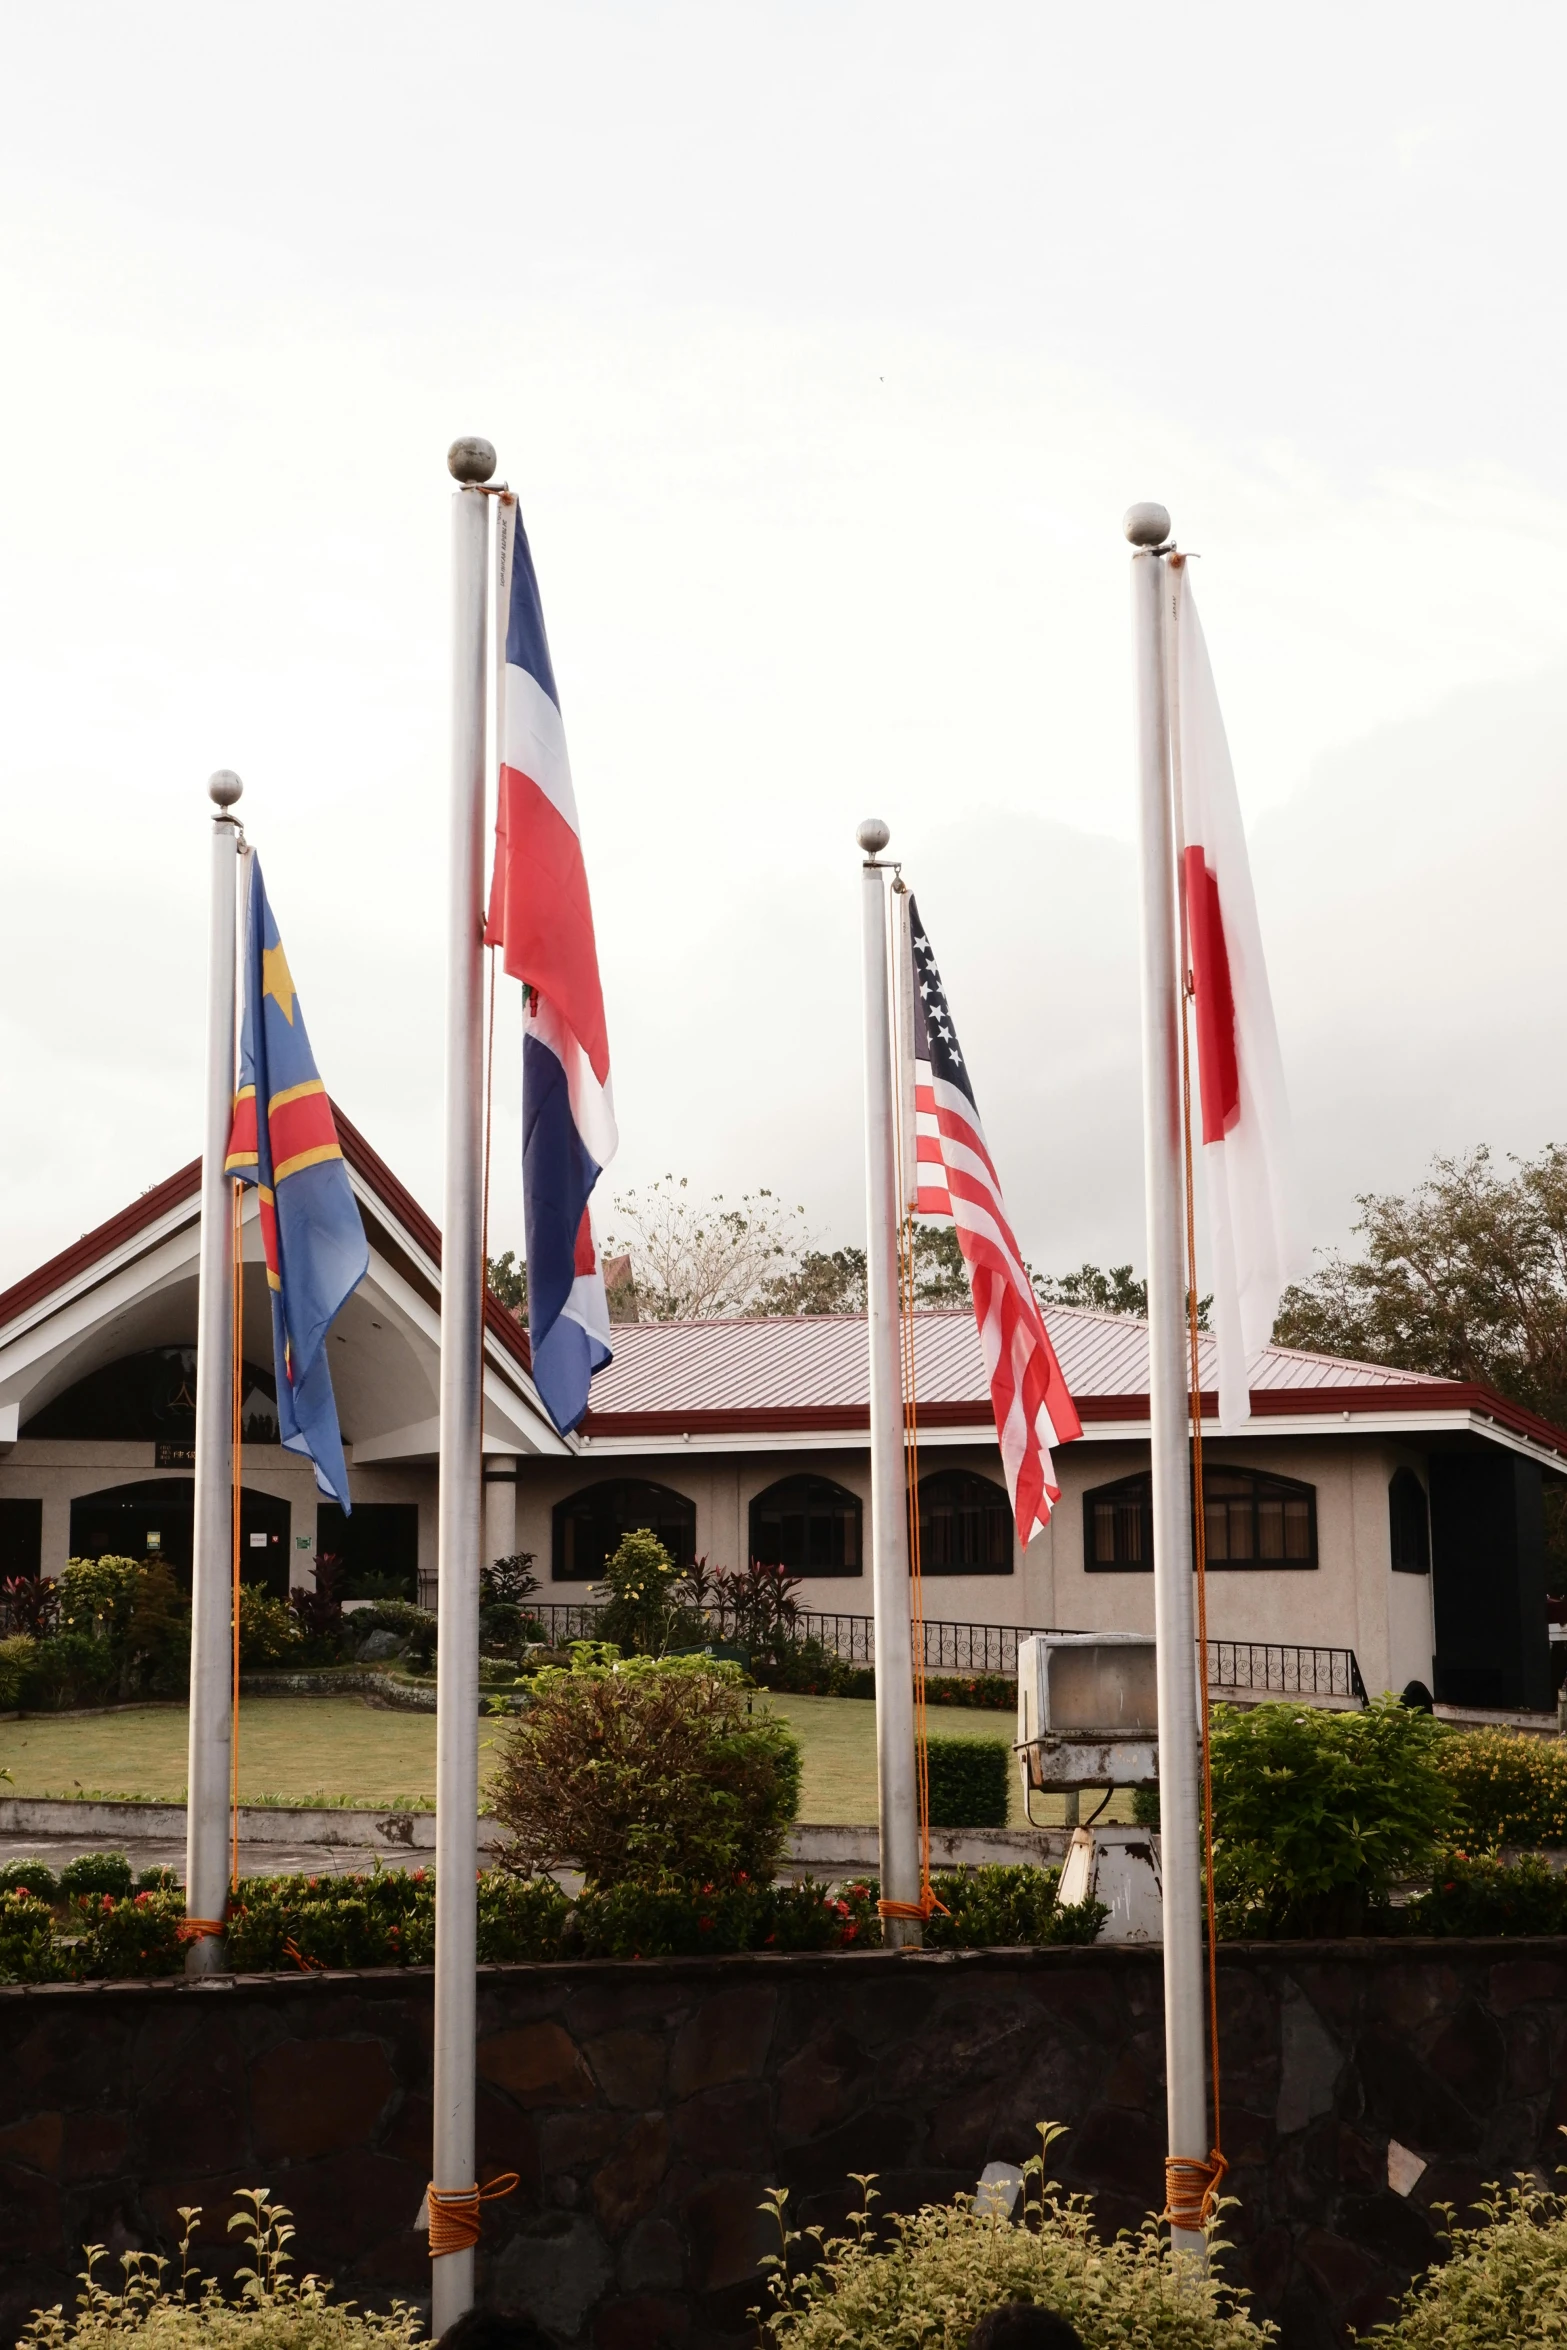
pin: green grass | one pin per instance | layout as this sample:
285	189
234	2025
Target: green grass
339	1750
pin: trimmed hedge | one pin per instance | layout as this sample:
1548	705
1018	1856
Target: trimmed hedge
969	1779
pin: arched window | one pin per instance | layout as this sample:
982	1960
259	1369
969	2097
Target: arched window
1254	1522
808	1525
588	1526
1409	1524
150	1398
965	1524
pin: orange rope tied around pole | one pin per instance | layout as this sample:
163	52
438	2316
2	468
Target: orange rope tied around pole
237	1384
1192	2187
198	1929
454	2215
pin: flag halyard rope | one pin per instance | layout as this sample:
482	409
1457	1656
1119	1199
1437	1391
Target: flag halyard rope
236	1434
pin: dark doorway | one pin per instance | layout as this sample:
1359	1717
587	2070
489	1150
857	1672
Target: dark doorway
1488	1581
21	1537
153	1519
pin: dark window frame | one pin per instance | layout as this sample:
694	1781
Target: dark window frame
592	1503
1409	1523
832	1520
940	1491
1124	1508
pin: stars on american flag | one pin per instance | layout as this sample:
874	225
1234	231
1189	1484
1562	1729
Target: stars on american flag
938	1019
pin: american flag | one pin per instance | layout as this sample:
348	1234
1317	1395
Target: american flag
948	1174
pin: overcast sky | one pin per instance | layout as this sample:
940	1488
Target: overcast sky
825	346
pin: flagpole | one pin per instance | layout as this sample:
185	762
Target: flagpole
1148	529
471	463
210	1755
897	1800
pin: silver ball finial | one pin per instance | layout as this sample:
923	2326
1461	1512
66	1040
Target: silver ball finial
470	460
224	787
1147	524
873	836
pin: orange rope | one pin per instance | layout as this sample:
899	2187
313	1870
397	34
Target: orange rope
1192	2186
237	1385
198	1929
454	2213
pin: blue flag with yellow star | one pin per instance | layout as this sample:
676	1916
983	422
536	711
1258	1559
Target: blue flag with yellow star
284	1141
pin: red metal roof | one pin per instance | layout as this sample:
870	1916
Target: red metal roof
793	1375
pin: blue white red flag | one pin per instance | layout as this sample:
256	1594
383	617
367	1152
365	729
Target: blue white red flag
284	1141
541	915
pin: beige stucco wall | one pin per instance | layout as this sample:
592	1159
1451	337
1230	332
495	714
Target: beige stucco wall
58	1472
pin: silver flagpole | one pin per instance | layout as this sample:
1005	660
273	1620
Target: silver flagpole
457	1689
210	1758
897	1803
1148	528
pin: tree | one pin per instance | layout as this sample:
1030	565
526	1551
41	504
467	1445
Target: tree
1115	1292
823	1282
508	1280
1466	1278
692	1259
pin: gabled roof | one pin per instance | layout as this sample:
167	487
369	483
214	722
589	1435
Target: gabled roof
114	1241
805	1374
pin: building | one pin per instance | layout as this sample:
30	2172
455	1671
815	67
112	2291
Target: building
1362	1509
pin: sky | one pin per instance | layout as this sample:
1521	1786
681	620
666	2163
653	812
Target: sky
825	346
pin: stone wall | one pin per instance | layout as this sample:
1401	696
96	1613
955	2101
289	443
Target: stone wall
649	2106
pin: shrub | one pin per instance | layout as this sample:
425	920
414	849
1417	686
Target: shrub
1504	2281
135	1935
1485	1895
969	1782
97	1872
18	1656
1316	1813
30	1603
70	1668
928	2277
646	1611
760	1609
32	1876
269	1632
648	1771
1000	1908
27	1953
416	1625
274	2309
1508	1789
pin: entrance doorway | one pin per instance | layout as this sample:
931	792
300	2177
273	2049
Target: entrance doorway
154	1518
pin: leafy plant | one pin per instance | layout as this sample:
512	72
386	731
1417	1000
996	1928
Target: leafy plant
275	2311
1317	1813
507	1582
759	1609
646	1770
27	1952
29	1603
18	1657
1501	2282
999	1908
646	1612
97	1872
120	1939
1484	1895
970	1779
1509	1789
926	2278
69	1668
417	1625
30	1876
269	1632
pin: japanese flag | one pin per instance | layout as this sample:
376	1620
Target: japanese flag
1245	1123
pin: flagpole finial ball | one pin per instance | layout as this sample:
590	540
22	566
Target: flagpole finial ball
1147	524
873	836
470	460
224	787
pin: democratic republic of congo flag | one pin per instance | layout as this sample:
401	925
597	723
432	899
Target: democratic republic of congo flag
283	1140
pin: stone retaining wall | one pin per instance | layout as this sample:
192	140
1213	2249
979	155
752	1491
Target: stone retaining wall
649	2106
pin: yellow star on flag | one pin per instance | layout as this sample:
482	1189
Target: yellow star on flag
277	980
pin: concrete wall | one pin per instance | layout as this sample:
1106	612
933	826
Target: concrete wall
649	2106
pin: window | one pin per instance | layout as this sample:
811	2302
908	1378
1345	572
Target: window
808	1525
1409	1524
21	1537
588	1527
1253	1521
965	1525
376	1547
150	1398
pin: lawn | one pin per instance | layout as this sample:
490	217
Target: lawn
339	1749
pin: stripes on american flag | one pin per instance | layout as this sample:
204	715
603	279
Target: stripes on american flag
949	1174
